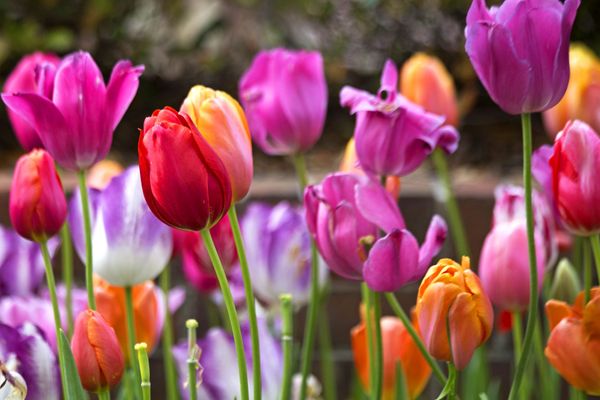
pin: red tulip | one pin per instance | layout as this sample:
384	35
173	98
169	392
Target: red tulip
185	183
38	207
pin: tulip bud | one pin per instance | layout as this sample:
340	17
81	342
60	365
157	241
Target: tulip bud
455	315
565	284
97	354
185	183
222	122
425	81
38	207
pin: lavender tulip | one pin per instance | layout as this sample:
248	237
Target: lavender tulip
130	244
278	249
23	79
21	263
220	375
393	135
76	126
345	214
520	51
25	351
284	94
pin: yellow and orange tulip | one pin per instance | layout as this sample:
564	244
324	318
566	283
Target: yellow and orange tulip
451	297
100	175
573	347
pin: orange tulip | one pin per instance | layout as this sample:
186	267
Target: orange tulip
101	173
426	81
573	347
582	98
398	346
110	302
222	122
450	296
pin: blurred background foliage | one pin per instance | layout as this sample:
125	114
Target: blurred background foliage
185	42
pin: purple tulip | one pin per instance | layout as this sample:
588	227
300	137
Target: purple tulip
76	126
504	259
284	94
23	79
21	263
520	51
25	350
345	214
220	374
393	135
277	245
130	244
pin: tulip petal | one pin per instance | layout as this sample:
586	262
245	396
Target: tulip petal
434	240
389	78
379	207
121	89
85	357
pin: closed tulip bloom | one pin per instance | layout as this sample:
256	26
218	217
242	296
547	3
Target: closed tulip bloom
37	205
393	135
185	182
130	244
575	163
23	79
520	51
398	347
425	81
222	122
284	93
582	98
100	175
573	348
76	124
455	315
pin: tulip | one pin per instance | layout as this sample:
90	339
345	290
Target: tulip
14	387
425	81
197	267
284	93
110	301
219	375
582	98
23	79
37	206
97	354
454	313
504	261
130	244
573	348
520	51
76	125
100	175
565	283
345	214
277	245
393	135
398	347
185	182
222	123
25	351
574	163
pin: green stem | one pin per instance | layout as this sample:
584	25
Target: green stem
533	276
104	394
547	389
327	362
376	306
287	343
366	298
67	274
167	338
452	377
144	368
192	361
595	242
587	271
250	302
131	337
55	311
517	331
437	371
457	227
301	171
231	312
87	229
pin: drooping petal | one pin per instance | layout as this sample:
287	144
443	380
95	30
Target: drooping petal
434	240
379	207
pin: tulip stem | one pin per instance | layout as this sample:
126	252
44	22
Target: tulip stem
87	229
287	343
517	331
193	355
131	335
595	242
366	298
56	312
459	236
452	378
376	307
104	394
231	312
587	271
144	368
250	302
533	275
327	363
67	274
437	371
167	338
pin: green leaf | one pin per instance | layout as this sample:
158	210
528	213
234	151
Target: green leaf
401	387
73	388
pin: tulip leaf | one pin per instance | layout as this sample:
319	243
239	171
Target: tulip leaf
73	389
401	387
